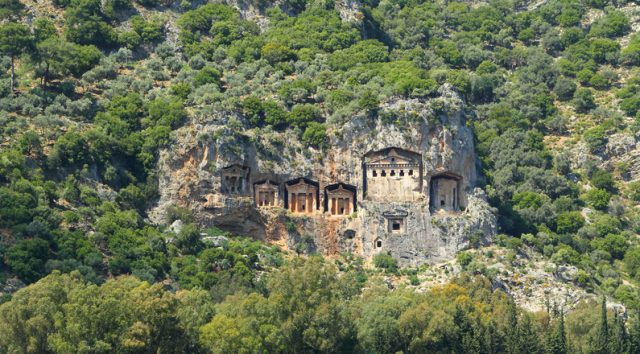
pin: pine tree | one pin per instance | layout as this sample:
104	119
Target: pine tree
15	39
634	335
557	341
601	341
619	338
528	338
511	335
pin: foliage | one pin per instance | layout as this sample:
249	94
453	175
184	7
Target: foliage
87	102
386	262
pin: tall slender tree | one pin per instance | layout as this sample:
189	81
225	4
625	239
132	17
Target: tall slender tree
528	337
634	335
15	39
601	340
511	335
557	340
619	337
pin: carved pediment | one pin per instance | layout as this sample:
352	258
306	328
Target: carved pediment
235	170
392	156
396	213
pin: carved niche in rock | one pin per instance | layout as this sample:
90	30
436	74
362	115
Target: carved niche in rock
302	196
340	199
392	175
396	221
235	179
444	192
266	193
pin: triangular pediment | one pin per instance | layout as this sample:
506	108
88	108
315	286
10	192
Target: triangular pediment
393	156
235	169
391	160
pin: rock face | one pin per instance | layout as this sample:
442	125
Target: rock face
401	182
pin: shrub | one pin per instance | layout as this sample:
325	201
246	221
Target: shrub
564	88
274	114
207	75
566	255
275	53
613	24
315	135
614	244
604	180
595	138
368	51
303	114
569	222
27	259
632	262
583	100
464	259
386	262
598	198
634	191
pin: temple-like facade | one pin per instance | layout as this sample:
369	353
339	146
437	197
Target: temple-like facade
390	175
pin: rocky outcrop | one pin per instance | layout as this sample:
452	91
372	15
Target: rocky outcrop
435	129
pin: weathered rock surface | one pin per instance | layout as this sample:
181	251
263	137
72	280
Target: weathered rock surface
190	176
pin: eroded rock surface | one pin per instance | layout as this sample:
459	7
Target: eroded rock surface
426	223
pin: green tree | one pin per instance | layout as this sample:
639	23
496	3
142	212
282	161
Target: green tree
85	24
315	135
10	9
564	88
27	258
386	262
557	338
188	240
15	39
207	75
583	100
569	222
601	341
598	198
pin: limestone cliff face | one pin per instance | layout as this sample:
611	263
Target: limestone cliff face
194	174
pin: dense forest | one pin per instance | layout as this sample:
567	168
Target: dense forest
91	91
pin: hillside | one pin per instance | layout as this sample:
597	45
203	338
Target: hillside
423	149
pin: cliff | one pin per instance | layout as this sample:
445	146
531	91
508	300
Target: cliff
191	174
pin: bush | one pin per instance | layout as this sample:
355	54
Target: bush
386	262
367	51
464	259
569	222
598	198
315	135
614	244
583	100
604	180
632	262
275	53
84	24
613	24
564	88
566	255
252	109
207	75
274	114
634	191
27	259
303	114
595	138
